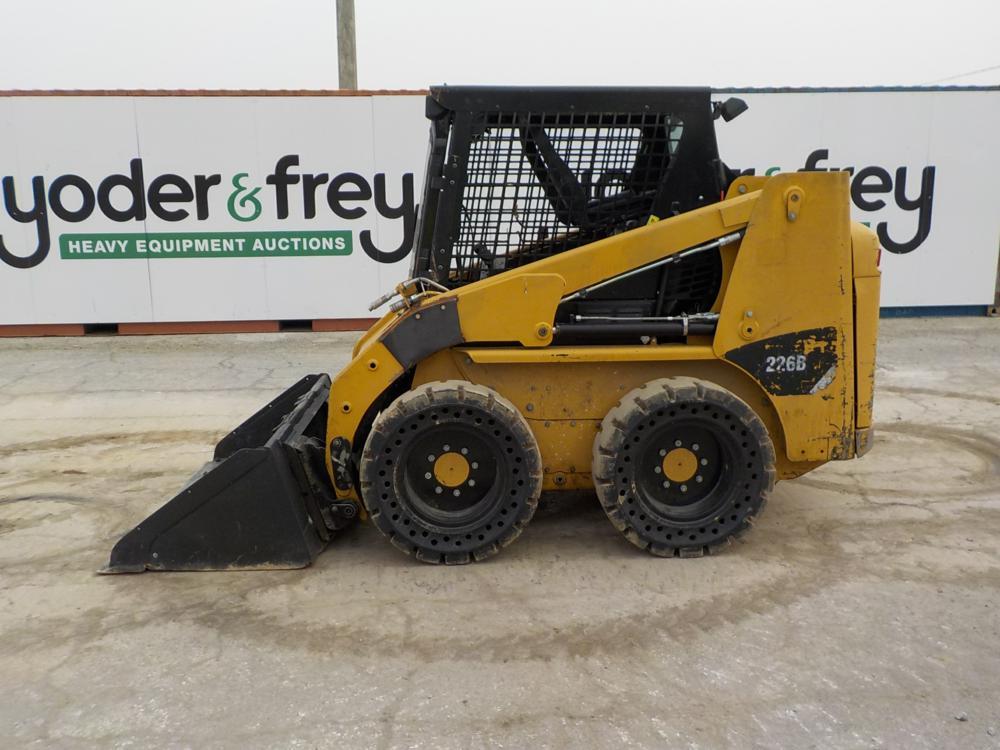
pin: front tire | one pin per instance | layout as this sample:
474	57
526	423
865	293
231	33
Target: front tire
451	472
682	467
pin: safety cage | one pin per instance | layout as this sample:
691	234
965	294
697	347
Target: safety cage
515	175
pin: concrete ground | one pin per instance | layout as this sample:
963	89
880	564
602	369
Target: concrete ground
863	611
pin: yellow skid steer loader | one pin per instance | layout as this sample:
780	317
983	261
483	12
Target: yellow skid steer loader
596	300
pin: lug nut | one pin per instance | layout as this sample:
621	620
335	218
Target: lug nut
677	443
684	488
695	447
428	475
438	490
431	458
704	462
663	451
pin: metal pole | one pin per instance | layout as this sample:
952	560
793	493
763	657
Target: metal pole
347	56
994	312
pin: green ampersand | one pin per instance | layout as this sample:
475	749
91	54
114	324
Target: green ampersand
250	198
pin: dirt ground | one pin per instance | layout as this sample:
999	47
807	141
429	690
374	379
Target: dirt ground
862	612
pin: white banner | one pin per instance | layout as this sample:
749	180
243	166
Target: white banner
226	208
922	164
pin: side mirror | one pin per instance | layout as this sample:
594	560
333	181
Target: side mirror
729	109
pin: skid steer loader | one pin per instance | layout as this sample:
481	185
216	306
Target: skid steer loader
597	301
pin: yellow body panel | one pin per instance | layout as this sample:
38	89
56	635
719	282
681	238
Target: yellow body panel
564	400
791	272
357	387
867	284
511	307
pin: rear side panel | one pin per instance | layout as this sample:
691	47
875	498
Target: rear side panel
867	280
787	316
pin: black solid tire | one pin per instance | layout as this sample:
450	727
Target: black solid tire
400	502
738	478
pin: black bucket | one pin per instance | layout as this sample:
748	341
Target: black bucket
264	502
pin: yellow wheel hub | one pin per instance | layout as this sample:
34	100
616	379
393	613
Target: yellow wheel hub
451	469
679	465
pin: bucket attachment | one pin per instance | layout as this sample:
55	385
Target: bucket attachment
265	501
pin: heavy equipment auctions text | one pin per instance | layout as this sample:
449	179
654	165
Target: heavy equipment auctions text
205	245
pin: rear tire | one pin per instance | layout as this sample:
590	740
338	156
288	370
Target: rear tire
682	467
451	472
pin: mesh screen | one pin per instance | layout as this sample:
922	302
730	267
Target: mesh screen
539	184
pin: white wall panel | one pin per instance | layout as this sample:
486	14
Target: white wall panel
955	132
